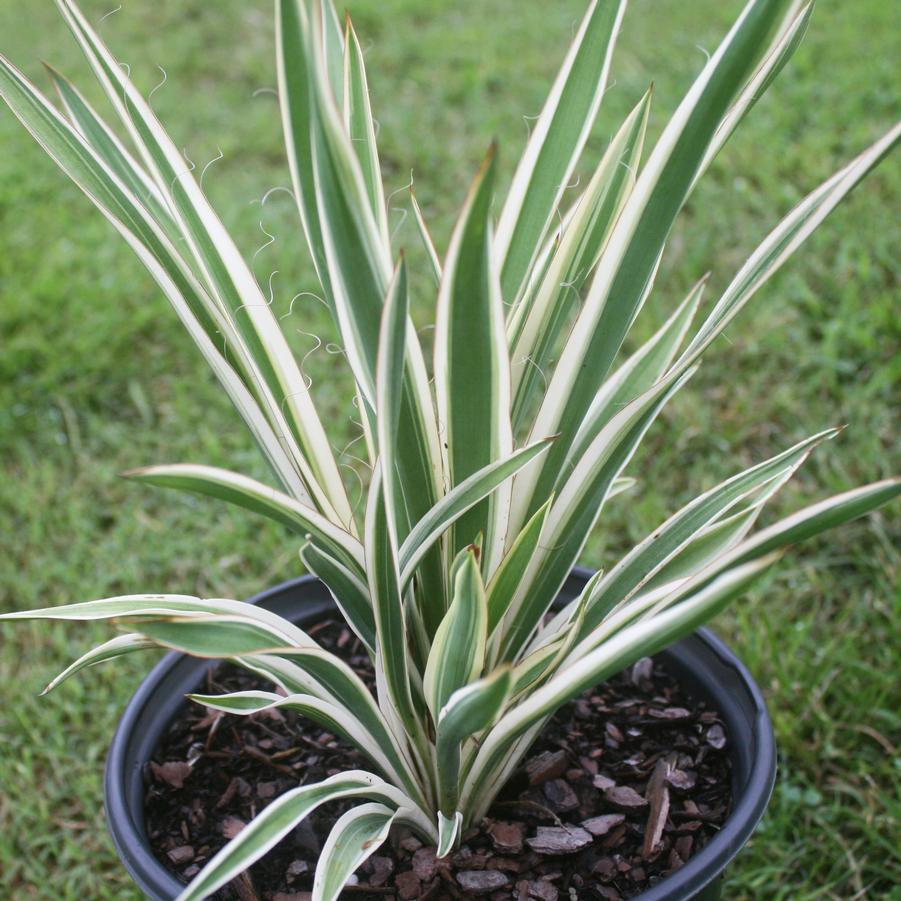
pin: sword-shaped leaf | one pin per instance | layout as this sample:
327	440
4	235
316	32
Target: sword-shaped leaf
625	273
111	150
360	127
389	391
469	710
449	829
227	275
460	499
506	580
382	570
354	838
109	650
664	542
472	373
538	320
140	607
200	315
556	143
458	649
283	815
348	590
426	237
246	492
574	513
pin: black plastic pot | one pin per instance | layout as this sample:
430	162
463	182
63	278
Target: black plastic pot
701	662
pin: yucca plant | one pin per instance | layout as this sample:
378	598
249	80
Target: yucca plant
491	468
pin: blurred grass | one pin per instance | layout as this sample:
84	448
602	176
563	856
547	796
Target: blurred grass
96	377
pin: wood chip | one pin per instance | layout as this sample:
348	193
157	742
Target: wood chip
548	765
601	825
716	736
171	772
380	869
407	885
603	782
181	854
641	670
625	798
560	795
683	780
231	826
542	890
670	713
658	799
425	865
506	837
605	869
482	881
559	840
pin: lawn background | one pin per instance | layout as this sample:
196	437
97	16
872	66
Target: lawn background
96	377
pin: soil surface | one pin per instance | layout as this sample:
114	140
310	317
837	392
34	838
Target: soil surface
623	786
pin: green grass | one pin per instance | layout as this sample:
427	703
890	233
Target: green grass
96	377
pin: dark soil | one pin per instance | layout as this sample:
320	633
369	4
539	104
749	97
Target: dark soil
624	785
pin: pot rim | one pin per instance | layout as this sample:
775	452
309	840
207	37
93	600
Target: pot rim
701	870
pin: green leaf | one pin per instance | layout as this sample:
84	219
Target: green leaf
625	274
575	511
539	319
113	153
140	607
349	592
556	143
785	239
280	817
458	500
469	710
360	127
109	650
215	636
252	495
426	237
458	649
388	606
282	389
782	48
471	368
389	390
664	542
366	732
449	829
354	262
639	372
199	313
509	574
625	647
354	838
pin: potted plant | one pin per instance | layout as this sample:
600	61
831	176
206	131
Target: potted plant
487	476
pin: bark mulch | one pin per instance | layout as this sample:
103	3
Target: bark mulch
624	785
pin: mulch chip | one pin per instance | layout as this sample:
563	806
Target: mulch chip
622	787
